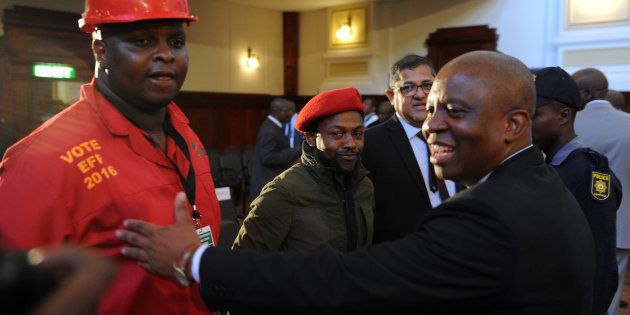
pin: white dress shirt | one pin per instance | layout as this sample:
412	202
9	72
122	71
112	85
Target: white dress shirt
275	121
419	148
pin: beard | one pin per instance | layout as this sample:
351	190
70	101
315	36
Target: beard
339	169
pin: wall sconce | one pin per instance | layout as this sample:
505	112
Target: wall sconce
348	27
344	32
250	62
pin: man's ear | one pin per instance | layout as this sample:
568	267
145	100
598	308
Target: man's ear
564	115
98	48
310	138
518	123
586	94
390	95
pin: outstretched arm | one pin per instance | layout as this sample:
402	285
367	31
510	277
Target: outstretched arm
158	248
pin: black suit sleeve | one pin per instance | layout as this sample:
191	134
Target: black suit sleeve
270	153
461	253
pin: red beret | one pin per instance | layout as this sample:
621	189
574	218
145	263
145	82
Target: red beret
326	104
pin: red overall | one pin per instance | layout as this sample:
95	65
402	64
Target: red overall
79	175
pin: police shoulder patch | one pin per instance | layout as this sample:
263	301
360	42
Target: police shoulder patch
600	185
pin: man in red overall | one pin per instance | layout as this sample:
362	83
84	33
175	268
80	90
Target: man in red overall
122	151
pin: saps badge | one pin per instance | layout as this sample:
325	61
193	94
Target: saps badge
600	185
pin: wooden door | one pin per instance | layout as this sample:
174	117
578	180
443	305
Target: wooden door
447	43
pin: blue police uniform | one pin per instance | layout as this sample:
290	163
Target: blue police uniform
598	191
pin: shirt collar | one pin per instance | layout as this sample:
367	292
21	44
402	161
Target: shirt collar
562	154
114	120
275	121
598	104
410	130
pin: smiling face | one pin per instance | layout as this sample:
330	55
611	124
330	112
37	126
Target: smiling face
473	121
339	141
411	108
146	62
464	130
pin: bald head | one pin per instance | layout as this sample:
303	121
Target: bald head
282	109
592	83
616	99
505	79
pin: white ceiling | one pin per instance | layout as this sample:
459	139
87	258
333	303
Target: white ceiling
297	5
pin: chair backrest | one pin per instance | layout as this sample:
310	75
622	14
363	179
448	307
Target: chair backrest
229	230
229	223
232	149
226	203
248	155
232	161
215	163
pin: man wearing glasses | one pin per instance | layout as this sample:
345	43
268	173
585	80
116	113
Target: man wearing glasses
396	155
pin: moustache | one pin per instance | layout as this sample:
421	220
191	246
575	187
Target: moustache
349	152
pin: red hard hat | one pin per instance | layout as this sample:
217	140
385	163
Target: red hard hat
124	11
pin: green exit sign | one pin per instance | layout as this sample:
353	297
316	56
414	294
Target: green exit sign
53	70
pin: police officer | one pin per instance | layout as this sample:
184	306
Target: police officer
584	171
124	150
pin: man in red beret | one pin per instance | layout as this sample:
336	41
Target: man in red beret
326	201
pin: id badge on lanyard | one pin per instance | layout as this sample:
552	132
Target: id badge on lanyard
205	232
189	183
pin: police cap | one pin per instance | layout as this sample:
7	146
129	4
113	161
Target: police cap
555	84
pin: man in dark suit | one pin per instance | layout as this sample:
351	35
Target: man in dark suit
272	154
515	242
385	110
397	157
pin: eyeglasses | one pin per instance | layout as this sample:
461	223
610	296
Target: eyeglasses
412	89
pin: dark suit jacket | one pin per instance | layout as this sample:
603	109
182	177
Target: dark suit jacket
517	243
272	156
401	196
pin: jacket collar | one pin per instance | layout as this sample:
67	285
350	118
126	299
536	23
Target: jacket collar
530	155
119	125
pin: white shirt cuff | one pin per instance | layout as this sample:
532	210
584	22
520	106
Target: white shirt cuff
196	261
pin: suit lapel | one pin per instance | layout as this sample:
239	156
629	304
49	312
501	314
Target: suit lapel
399	139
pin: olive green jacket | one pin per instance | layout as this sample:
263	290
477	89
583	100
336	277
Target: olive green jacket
302	210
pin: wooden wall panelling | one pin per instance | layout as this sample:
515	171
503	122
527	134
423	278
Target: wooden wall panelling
225	119
6	115
447	43
291	42
37	35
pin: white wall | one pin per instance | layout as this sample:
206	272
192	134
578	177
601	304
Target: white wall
532	31
313	43
519	24
604	45
402	27
219	40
